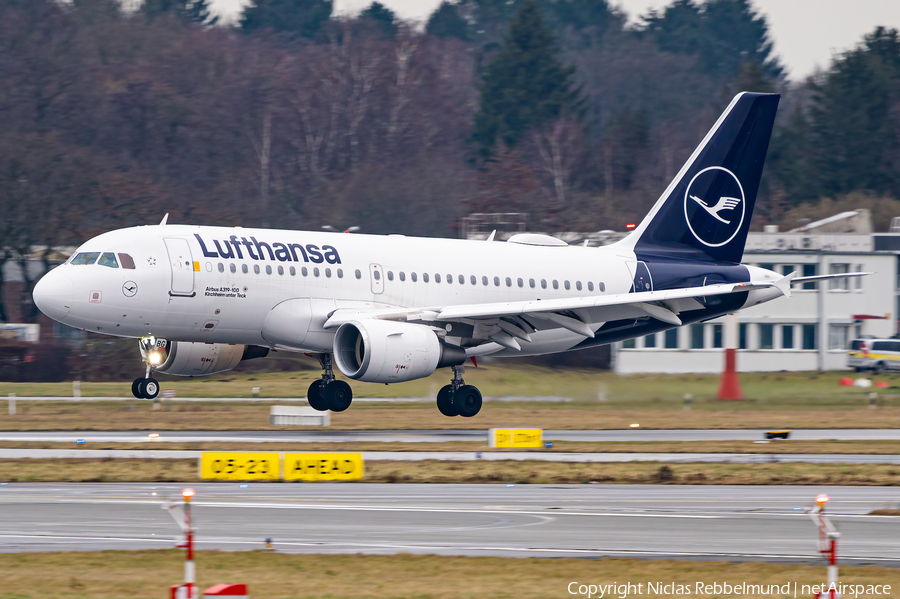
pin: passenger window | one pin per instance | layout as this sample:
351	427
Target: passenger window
328	273
496	281
484	281
221	267
531	283
376	274
293	271
520	282
232	268
256	269
462	279
304	271
437	278
126	261
340	273
424	277
402	276
413	276
567	285
86	258
390	275
543	283
449	279
590	285
555	284
508	282
244	268
268	269
601	286
473	280
358	274
578	285
280	270
108	259
316	272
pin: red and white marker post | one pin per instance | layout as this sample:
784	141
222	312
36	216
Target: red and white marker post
188	590
828	536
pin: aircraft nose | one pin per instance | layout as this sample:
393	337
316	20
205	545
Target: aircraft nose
53	294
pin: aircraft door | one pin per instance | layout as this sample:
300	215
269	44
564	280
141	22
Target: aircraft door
641	279
182	265
377	277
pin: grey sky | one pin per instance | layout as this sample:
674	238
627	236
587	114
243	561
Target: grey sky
807	33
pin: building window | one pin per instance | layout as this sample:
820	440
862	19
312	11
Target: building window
787	269
671	339
650	340
810	270
767	266
717	335
841	284
787	336
697	336
742	335
837	336
628	344
765	336
858	281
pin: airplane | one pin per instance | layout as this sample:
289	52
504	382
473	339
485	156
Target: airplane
389	309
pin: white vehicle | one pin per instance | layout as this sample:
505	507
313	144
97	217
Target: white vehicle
874	354
388	309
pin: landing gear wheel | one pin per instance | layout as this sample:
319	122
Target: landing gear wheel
149	388
316	396
338	396
445	402
467	399
136	388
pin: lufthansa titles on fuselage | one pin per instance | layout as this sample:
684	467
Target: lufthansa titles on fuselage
281	252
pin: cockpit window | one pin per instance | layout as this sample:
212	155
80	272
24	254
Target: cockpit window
86	258
108	259
127	261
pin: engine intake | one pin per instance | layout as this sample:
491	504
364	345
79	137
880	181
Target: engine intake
383	351
184	358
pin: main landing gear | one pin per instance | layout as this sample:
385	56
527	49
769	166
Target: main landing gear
458	398
145	388
328	393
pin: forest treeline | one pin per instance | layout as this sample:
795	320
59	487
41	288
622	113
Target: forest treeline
296	117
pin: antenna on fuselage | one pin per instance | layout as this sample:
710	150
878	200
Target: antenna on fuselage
164	220
491	236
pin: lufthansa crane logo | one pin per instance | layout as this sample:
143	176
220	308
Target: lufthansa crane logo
714	206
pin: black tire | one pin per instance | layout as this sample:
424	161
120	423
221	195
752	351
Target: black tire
338	396
136	388
149	388
467	400
445	402
878	369
316	397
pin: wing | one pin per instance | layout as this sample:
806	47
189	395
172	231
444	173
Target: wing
507	323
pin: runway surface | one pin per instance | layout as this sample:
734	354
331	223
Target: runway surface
690	522
438	436
292	400
467	456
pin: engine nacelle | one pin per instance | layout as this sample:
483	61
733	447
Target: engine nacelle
184	358
383	351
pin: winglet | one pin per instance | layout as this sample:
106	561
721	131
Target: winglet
784	284
164	220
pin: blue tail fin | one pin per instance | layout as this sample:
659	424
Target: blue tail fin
705	212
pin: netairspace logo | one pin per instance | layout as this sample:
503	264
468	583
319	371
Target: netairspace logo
720	589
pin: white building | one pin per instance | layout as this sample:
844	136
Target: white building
809	331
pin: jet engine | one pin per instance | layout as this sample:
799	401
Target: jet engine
183	358
383	351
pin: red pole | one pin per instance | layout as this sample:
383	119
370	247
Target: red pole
189	572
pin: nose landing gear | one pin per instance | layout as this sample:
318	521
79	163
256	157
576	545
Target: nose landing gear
145	388
458	398
328	393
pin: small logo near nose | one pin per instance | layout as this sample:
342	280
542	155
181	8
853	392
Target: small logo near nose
129	288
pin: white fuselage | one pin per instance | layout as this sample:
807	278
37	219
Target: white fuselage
223	289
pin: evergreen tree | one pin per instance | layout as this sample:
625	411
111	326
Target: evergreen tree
722	34
526	84
198	12
299	17
381	16
446	22
187	11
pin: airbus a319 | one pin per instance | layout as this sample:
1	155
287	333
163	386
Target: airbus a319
389	309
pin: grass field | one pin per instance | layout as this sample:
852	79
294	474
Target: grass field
600	400
522	472
147	574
